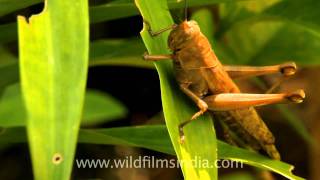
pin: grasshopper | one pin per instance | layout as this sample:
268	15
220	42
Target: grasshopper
209	84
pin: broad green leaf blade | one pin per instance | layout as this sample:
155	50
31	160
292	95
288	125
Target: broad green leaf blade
98	108
176	108
158	140
53	50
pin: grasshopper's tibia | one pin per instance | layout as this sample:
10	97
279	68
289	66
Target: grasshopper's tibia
286	69
156	33
199	102
232	101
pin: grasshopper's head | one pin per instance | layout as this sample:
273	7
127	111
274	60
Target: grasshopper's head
182	34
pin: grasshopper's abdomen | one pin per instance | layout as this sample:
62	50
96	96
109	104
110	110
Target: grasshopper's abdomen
247	124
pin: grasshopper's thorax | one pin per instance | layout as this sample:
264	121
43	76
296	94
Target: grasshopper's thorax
190	47
196	62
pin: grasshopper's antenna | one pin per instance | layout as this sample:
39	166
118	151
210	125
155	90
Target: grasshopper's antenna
185	10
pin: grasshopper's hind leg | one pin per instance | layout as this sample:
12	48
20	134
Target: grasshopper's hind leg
200	103
232	101
286	69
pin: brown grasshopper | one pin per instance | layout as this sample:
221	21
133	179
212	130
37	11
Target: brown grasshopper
209	84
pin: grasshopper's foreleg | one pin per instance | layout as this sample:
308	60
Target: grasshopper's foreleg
156	33
232	101
200	103
149	57
287	69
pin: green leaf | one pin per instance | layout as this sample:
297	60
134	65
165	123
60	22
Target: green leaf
120	52
98	108
7	6
284	31
54	48
303	13
176	107
12	109
274	43
159	140
9	70
101	108
8	32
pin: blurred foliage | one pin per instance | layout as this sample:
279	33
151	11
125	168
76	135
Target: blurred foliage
98	108
250	32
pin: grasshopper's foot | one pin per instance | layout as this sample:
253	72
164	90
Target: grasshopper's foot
145	56
148	27
203	108
288	69
297	96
